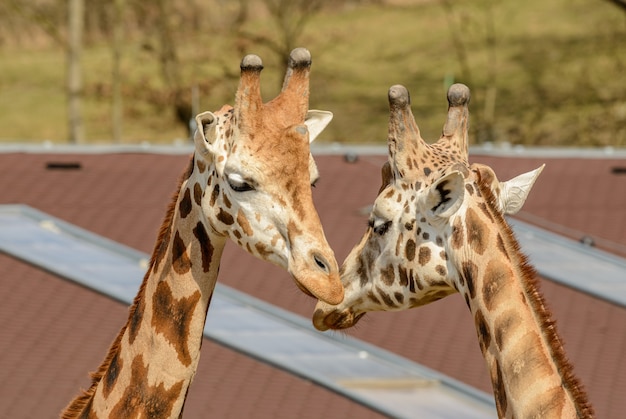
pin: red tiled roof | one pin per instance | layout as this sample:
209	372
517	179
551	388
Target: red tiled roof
53	332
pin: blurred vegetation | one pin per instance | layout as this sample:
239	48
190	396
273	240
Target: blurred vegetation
541	72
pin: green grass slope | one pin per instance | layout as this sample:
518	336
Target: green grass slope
541	73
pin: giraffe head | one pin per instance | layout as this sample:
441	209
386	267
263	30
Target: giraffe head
410	253
255	161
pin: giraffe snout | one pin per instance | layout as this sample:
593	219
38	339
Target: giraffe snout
318	319
318	276
327	317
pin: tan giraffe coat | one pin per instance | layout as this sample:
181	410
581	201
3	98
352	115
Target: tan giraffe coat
248	180
437	228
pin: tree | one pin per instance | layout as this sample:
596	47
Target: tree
290	17
116	79
485	121
619	3
76	16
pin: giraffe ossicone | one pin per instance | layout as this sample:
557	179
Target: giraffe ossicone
436	228
248	180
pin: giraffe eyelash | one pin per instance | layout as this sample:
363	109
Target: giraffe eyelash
238	184
379	229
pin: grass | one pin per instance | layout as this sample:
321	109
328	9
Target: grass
558	74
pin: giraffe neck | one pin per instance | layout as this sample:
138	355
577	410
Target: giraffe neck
530	374
153	360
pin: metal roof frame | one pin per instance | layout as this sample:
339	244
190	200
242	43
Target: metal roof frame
373	377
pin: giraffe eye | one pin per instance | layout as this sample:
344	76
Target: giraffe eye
380	227
238	184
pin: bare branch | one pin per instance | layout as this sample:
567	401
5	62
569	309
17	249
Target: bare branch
619	3
33	13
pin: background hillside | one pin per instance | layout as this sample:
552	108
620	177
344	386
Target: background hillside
541	72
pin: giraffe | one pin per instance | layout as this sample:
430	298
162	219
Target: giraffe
248	180
437	228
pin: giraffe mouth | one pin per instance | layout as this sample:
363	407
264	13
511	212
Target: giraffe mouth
303	288
323	286
324	320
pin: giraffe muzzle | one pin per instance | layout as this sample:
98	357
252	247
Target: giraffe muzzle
328	317
318	276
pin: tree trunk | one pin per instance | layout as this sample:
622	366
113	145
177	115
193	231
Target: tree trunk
76	14
118	40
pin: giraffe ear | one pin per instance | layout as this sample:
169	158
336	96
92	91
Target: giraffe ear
316	121
513	193
444	197
206	133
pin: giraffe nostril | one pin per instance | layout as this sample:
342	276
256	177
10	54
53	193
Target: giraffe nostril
321	263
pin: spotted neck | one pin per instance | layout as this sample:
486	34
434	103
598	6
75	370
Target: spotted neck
250	181
530	374
153	360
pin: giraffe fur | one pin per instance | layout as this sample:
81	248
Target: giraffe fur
437	228
249	181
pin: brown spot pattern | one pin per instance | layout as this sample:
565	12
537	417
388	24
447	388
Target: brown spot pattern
172	318
143	400
404	278
399	243
180	260
227	203
201	165
499	390
197	193
482	329
136	317
527	362
110	377
293	231
505	326
495	279
215	193
362	271
409	250
244	224
457	234
477	232
387	274
424	255
297	201
387	300
161	249
225	217
185	204
373	298
206	248
399	297
469	271
548	404
262	250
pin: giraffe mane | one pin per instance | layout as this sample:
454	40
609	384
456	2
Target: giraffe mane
537	301
78	405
